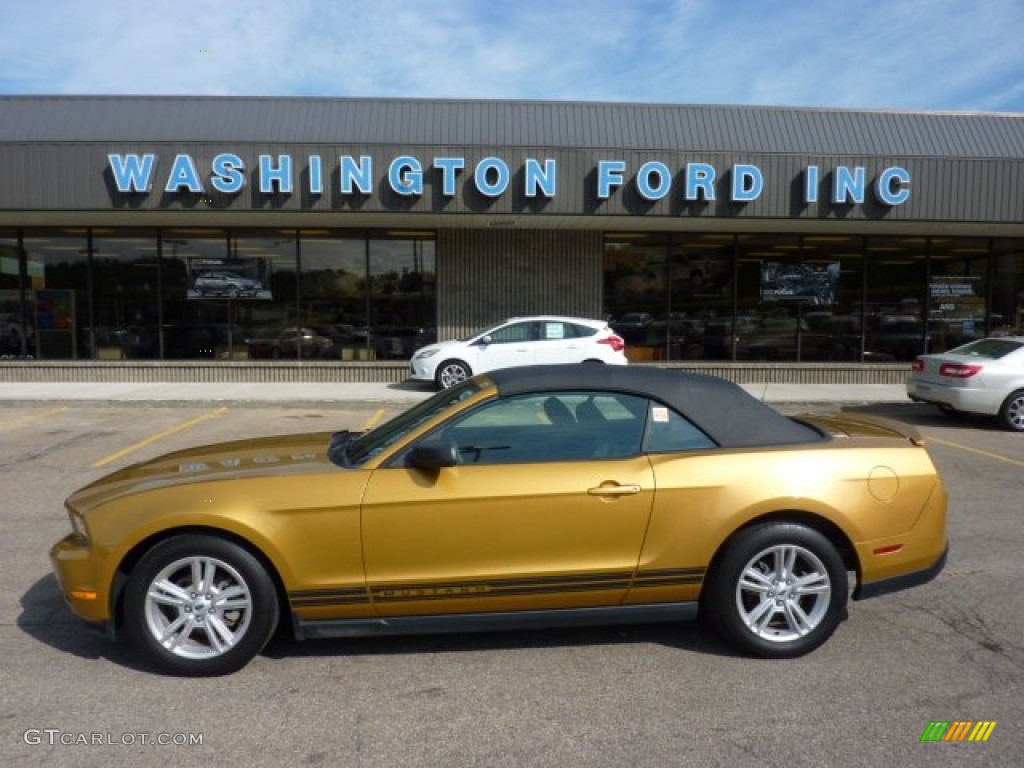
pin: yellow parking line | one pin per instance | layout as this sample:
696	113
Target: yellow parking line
980	452
158	436
35	416
374	420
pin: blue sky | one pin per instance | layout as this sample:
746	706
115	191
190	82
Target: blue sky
893	54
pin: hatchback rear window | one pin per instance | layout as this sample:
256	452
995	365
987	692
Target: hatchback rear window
991	349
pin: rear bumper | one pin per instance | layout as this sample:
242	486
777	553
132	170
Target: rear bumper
959	398
906	581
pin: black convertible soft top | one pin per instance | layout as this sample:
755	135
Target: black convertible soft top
725	411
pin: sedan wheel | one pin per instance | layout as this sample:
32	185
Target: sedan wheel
452	372
779	591
199	605
1012	412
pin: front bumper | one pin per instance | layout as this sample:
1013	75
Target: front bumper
77	570
421	370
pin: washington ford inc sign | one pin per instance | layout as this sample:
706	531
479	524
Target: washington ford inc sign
491	177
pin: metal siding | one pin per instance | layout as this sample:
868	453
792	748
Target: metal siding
485	276
634	126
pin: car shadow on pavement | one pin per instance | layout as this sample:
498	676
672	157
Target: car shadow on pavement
694	636
414	386
46	617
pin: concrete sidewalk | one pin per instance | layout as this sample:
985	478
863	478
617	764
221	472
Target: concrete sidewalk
378	392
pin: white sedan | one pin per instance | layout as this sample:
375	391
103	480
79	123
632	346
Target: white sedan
519	341
985	376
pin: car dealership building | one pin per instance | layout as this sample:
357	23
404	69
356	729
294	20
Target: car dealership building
232	230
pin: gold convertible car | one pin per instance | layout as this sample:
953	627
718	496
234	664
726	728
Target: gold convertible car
529	497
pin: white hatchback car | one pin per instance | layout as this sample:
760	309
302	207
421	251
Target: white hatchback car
985	376
519	341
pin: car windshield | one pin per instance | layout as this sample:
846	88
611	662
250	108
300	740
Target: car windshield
389	433
992	349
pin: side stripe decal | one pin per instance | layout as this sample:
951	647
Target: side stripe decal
544	585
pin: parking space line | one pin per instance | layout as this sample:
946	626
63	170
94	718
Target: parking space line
374	420
35	416
980	452
159	436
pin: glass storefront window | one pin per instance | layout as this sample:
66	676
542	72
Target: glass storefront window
57	300
125	281
195	318
258	289
334	291
13	339
1007	317
957	291
895	303
402	300
636	292
698	321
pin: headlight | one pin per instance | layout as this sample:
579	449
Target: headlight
78	524
423	354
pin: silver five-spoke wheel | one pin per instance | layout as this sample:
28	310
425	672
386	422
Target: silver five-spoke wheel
452	372
198	607
783	593
778	589
198	604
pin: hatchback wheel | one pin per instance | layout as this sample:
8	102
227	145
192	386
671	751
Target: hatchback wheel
199	605
1012	412
779	591
452	372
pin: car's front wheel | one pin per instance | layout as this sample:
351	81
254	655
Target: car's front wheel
199	605
779	591
452	372
1011	414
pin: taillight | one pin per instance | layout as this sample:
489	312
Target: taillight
917	366
613	341
958	370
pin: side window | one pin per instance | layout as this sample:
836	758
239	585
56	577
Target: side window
581	331
671	432
554	331
514	333
550	427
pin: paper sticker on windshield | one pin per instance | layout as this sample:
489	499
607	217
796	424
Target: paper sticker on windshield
660	413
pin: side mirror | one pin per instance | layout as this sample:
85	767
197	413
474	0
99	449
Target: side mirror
434	455
483	341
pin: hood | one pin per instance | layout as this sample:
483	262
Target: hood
260	457
442	345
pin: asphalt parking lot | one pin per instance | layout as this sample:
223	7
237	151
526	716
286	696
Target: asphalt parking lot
671	695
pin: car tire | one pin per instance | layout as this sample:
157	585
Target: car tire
451	372
779	590
1011	413
212	630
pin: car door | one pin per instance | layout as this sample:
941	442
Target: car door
506	347
541	511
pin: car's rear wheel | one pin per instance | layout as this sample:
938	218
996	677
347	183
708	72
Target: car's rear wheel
1011	414
199	605
452	372
779	591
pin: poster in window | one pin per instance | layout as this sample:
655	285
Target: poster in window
236	278
799	283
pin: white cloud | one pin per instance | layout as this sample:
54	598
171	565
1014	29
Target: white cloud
931	54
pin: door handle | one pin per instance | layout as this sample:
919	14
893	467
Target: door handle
614	490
